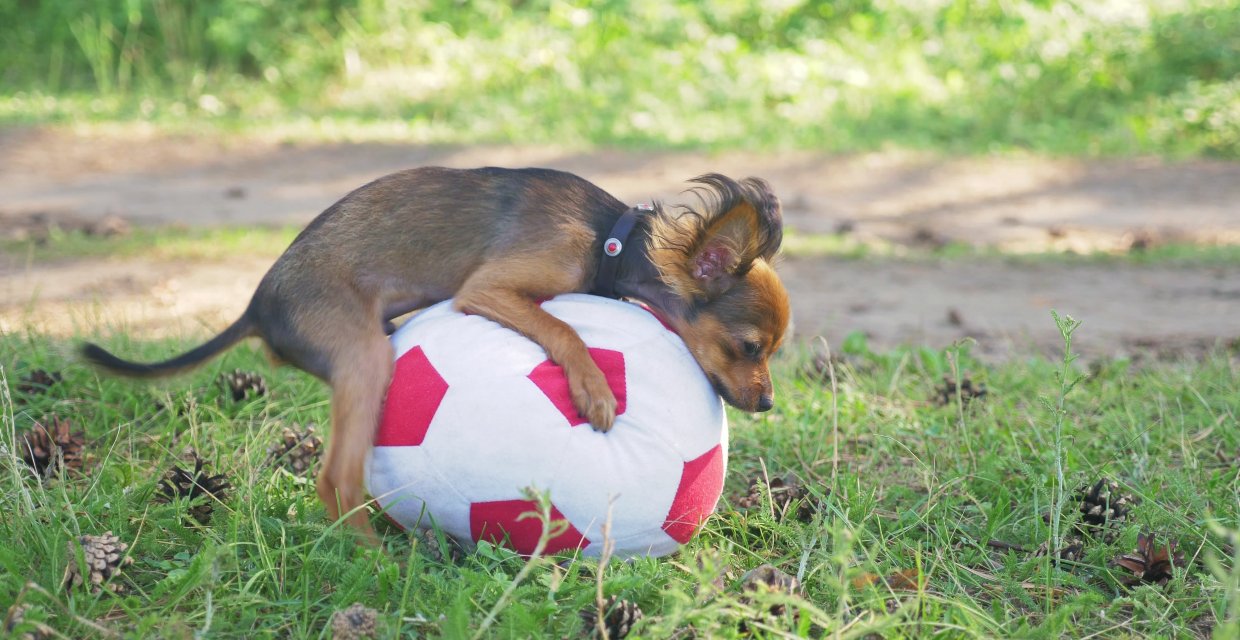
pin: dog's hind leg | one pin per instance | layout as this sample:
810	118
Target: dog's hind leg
339	339
359	381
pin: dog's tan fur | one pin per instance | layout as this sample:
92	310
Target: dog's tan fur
497	241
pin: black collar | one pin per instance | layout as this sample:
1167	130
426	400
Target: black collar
613	248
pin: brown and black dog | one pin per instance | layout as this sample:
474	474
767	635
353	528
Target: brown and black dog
498	241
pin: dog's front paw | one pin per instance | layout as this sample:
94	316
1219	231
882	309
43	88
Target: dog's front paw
593	399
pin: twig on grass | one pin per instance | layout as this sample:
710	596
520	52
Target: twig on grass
1005	546
835	414
609	546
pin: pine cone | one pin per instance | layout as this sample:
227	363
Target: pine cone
767	578
244	383
104	556
298	450
711	569
354	623
819	367
968	390
14	619
618	619
1073	549
38	381
785	492
199	490
1103	504
684	633
43	448
429	544
1150	563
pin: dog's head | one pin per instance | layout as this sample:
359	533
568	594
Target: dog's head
715	261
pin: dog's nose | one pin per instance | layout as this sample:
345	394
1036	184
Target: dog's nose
765	402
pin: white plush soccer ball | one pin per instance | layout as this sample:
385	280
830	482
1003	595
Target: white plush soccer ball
476	413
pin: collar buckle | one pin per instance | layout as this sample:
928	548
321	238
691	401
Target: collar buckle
613	246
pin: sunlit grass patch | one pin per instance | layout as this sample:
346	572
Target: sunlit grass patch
1094	78
222	242
159	243
799	244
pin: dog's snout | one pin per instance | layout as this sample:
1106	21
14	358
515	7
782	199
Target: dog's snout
765	402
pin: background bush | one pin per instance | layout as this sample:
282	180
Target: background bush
1079	76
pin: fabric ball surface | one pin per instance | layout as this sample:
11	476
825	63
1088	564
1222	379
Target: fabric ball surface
476	414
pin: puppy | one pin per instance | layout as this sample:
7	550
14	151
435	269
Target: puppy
498	241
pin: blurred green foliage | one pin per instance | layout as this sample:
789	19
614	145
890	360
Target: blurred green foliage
1073	76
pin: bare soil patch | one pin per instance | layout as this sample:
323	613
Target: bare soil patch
101	182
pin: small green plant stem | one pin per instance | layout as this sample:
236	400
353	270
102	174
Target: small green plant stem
835	417
953	358
609	546
1067	325
550	529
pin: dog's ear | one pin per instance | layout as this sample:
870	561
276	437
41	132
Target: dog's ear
703	252
745	224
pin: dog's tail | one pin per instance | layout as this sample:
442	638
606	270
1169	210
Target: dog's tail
100	357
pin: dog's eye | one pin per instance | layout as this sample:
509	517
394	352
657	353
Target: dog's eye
751	349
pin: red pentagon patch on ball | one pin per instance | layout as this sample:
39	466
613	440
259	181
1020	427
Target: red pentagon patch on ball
412	399
500	523
701	482
549	378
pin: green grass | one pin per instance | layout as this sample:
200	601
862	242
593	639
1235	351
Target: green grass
799	244
897	483
971	76
223	242
159	243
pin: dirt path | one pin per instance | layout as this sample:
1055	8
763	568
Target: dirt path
1137	311
1016	204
